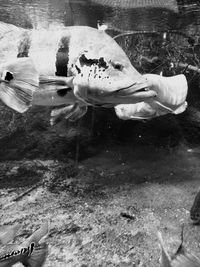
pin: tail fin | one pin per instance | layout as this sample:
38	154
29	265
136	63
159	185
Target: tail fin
181	108
37	257
19	80
165	258
70	112
40	248
38	235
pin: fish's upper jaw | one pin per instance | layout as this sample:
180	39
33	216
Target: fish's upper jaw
125	96
139	90
134	93
135	88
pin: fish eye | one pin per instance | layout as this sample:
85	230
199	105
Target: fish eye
118	66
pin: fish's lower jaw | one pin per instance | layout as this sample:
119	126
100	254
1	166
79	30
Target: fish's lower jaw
146	93
136	89
116	98
138	96
143	90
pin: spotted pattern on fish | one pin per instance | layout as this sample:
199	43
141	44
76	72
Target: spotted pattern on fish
24	45
89	62
92	67
62	57
8	76
78	69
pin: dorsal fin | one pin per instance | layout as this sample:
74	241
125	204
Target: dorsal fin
7	28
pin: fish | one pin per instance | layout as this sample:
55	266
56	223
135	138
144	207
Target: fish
76	65
140	111
170	99
31	253
195	209
182	258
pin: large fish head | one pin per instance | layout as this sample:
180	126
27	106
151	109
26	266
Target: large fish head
105	76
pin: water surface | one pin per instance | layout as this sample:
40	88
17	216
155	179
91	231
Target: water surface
125	15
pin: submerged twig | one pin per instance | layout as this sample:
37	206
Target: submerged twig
77	144
150	32
25	193
188	66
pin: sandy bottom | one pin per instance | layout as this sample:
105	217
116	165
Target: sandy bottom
106	210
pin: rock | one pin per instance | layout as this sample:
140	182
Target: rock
13	171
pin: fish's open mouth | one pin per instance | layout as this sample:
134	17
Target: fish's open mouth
142	90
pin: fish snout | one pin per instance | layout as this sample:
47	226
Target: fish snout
135	92
127	92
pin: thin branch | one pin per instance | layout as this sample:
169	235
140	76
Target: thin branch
150	32
188	66
25	193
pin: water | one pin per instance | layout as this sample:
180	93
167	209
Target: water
120	16
138	172
164	27
124	15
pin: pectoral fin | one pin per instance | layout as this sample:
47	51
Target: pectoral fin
181	108
51	86
162	107
165	259
38	235
79	113
56	80
37	257
70	112
139	111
